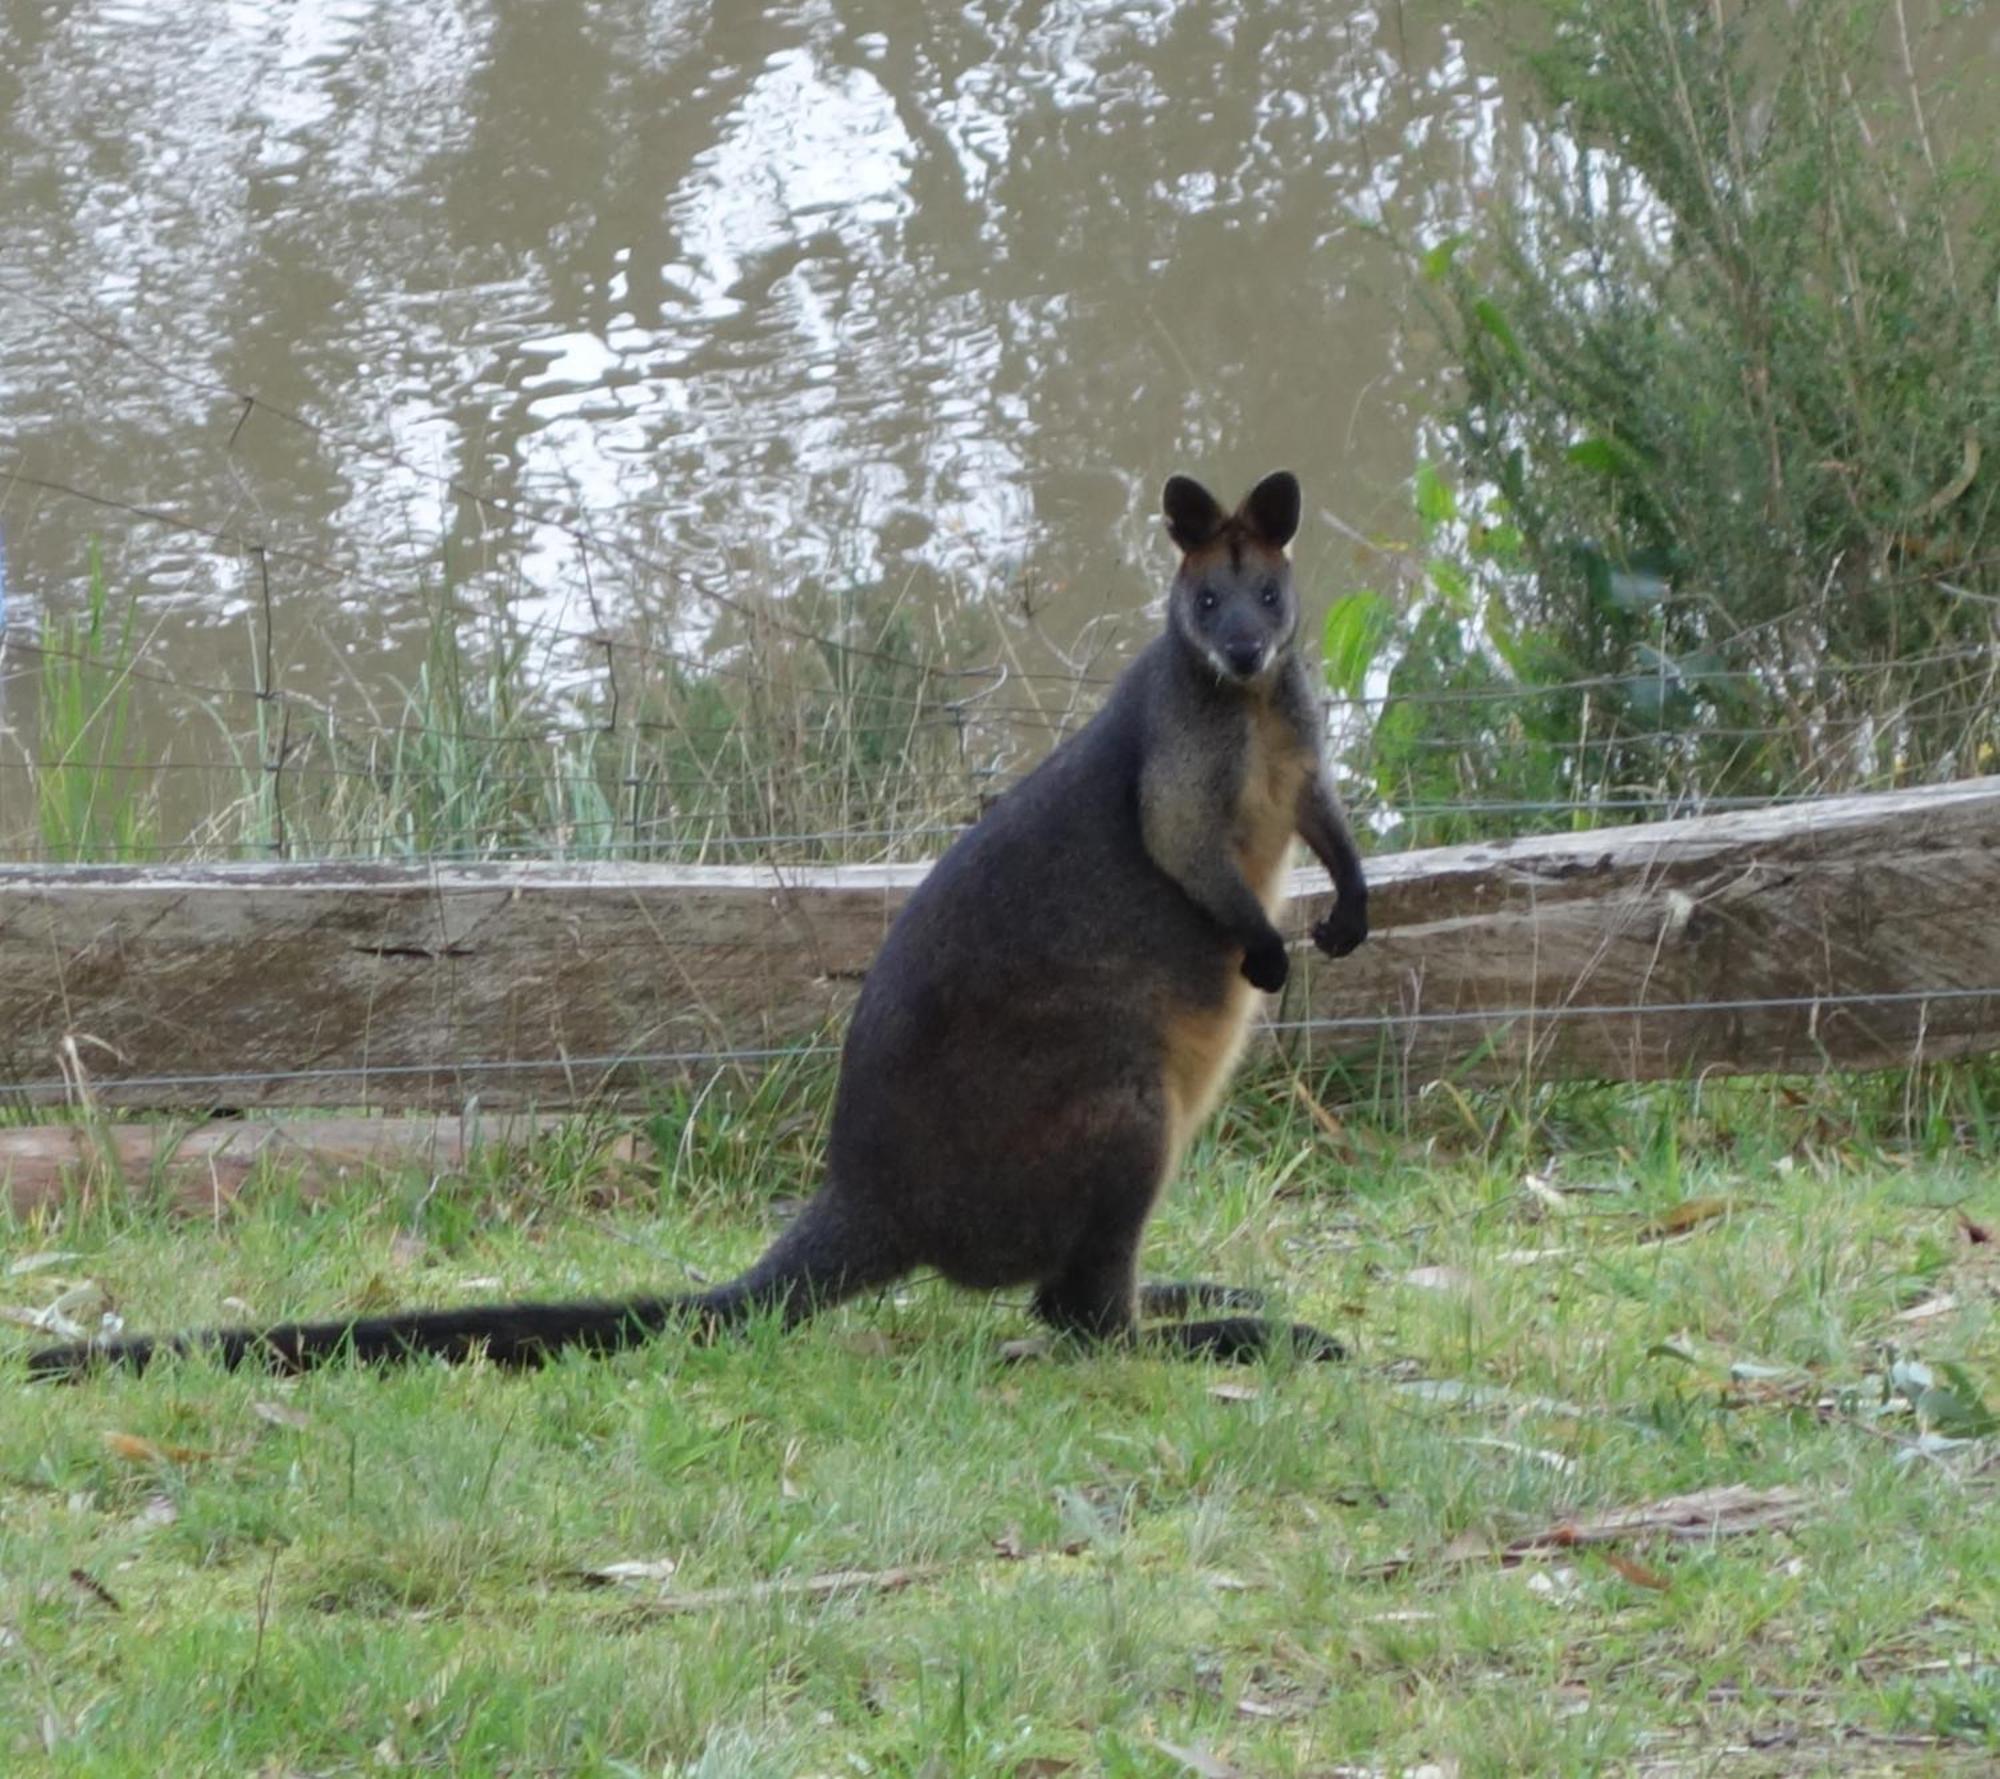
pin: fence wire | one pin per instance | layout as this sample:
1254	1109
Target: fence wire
1386	1022
812	758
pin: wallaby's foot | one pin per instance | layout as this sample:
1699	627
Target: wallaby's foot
1175	1297
1243	1338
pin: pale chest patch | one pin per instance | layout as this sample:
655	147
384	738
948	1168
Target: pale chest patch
1274	772
1203	1044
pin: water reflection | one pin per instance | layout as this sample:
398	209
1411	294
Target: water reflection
821	294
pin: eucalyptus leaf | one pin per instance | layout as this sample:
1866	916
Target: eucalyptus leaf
1356	627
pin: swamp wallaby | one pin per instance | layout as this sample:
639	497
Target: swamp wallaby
1050	1018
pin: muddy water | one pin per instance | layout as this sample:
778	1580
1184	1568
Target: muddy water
605	309
810	295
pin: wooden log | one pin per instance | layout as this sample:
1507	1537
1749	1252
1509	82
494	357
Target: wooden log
1852	932
1839	934
203	1170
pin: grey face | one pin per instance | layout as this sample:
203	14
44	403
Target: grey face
1237	608
1232	600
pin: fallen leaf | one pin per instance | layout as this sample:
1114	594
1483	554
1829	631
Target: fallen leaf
1708	1513
1976	1233
1438	1278
1034	1346
1554	1460
406	1250
95	1589
1637	1573
1956	1408
1225	1583
866	1343
638	1569
1008	1545
425	1705
35	1262
135	1448
41	1322
1939	1446
1458	1392
1468	1547
1198	1760
1043	1766
1911	1378
1544	1194
1940	1305
1689	1214
1329	1125
281	1414
159	1510
809	1587
1552	1584
59	1318
1235	1392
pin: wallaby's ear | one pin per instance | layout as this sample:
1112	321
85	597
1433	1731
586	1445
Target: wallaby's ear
1271	509
1193	516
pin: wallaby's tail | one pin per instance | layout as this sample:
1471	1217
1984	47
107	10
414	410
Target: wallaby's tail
823	1257
510	1334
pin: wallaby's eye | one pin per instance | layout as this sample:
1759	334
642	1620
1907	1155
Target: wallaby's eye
1204	601
1271	594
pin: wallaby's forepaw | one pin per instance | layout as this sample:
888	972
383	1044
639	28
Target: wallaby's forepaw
1266	966
1342	930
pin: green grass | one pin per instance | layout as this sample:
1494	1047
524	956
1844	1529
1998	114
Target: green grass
1128	1557
785	745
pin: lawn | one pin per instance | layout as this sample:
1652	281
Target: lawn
1040	1563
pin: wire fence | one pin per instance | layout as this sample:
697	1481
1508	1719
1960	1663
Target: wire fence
714	724
480	758
1385	1025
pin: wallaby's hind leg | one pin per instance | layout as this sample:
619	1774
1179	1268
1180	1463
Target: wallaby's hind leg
1096	1296
1175	1297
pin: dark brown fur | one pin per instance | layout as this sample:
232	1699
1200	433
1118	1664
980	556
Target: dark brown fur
1050	1018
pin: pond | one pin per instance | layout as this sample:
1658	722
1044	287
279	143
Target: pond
618	318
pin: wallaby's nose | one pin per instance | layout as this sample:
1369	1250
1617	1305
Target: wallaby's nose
1244	658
